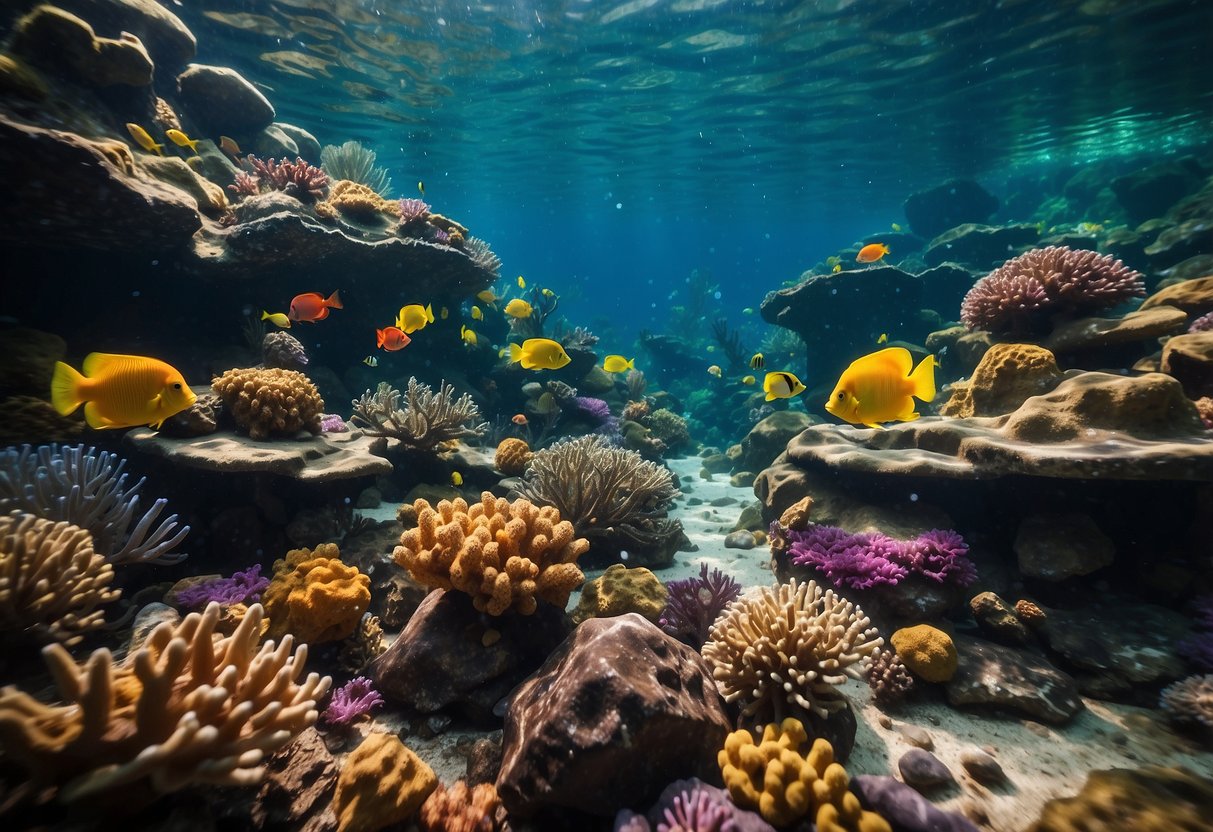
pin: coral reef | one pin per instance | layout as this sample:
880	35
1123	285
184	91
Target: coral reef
270	402
412	211
281	350
1202	324
355	163
694	604
359	201
1128	800
381	784
670	428
620	590
187	706
888	679
88	489
788	648
461	809
51	580
427	420
241	588
927	651
512	457
30	419
353	700
315	597
363	646
785	785
506	555
865	560
1189	702
482	256
299	178
1029	293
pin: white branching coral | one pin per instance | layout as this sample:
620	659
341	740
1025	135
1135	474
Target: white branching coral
427	419
788	648
188	706
51	580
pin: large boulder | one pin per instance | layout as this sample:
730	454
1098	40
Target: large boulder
170	43
1189	358
1006	678
65	44
952	203
1096	343
767	439
980	246
1194	296
221	101
1151	191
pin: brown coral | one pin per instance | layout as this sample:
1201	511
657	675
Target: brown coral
270	402
1006	377
512	457
1028	293
381	784
188	706
360	201
460	809
889	679
51	580
1029	613
505	555
315	597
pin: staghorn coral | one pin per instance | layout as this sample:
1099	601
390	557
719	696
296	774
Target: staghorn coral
427	420
620	590
461	809
888	679
241	588
353	700
365	644
30	419
512	457
270	402
788	648
359	201
506	555
926	650
866	560
482	256
51	580
785	785
299	179
77	485
187	706
694	604
315	597
281	350
353	162
381	784
1031	292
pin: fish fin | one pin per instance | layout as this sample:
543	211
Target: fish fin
334	300
193	146
265	316
379	339
632	364
873	426
770	397
95	420
897	357
321	315
159	148
922	380
912	416
429	313
515	354
65	388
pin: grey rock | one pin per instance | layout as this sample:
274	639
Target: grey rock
1007	678
923	770
1054	547
934	210
221	101
309	147
741	539
982	767
273	143
980	246
916	736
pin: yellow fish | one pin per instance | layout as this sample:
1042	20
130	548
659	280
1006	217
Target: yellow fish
880	387
521	282
547	293
456	477
143	139
518	308
757	362
468	336
781	386
883	339
443	313
539	354
181	140
486	296
837	268
121	391
278	319
371	361
618	364
228	145
503	352
749	310
477	315
748	380
715	370
414	317
421	187
897	227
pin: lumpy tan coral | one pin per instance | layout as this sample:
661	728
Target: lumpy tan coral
271	402
315	597
512	457
382	783
358	201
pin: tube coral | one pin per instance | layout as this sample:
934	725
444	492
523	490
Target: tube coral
694	604
866	560
427	420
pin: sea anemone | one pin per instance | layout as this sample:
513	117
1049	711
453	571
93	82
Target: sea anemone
352	700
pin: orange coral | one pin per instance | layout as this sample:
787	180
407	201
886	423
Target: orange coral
360	201
381	784
315	597
1029	613
505	555
512	457
270	402
460	809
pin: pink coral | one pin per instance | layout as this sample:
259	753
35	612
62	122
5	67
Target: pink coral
866	560
298	178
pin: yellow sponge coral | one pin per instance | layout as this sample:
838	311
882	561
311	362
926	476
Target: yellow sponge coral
315	597
270	402
359	201
505	555
381	784
512	456
619	591
927	651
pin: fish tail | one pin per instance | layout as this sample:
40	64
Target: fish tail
265	316
379	338
429	313
922	380
334	301
65	388
193	145
515	353
158	148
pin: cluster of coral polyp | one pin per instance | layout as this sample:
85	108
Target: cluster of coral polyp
269	403
315	597
506	555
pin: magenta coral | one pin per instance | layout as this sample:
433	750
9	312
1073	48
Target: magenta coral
333	423
698	810
866	560
693	605
354	699
242	588
299	179
1202	324
1028	293
413	209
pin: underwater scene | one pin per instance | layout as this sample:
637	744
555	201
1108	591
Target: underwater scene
668	415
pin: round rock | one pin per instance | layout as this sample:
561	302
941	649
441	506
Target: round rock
221	101
923	770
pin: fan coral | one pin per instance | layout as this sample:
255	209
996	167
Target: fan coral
866	560
784	784
694	604
315	597
188	706
427	420
281	350
412	210
460	809
505	555
270	402
888	679
242	588
788	648
512	457
1189	701
359	201
483	257
88	489
355	699
51	580
381	784
298	178
1029	293
356	163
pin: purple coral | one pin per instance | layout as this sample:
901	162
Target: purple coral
333	423
698	810
693	605
596	409
352	700
866	560
1027	293
299	179
1202	324
242	588
413	209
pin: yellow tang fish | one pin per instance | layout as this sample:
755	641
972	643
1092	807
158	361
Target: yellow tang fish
897	227
414	317
618	364
477	315
837	268
181	140
371	361
521	282
757	361
143	139
121	391
486	296
539	354
468	336
883	339
781	386
278	319
443	313
456	479
518	308
421	187
715	370
748	380
880	387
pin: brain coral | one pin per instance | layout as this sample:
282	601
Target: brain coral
360	201
505	555
315	597
512	457
926	650
619	591
270	402
1028	293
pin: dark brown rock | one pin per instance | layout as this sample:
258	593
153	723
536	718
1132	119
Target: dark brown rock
1189	358
767	439
1007	678
1053	547
923	770
998	620
618	711
199	419
66	45
221	101
484	760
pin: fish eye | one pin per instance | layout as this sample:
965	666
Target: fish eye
176	385
841	395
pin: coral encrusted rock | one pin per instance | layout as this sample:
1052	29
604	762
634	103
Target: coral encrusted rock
1006	377
315	597
270	402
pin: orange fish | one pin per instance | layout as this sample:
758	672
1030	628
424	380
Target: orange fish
312	306
121	391
871	253
391	339
519	419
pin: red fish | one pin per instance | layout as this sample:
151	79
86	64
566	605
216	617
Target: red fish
312	306
871	253
519	419
391	339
